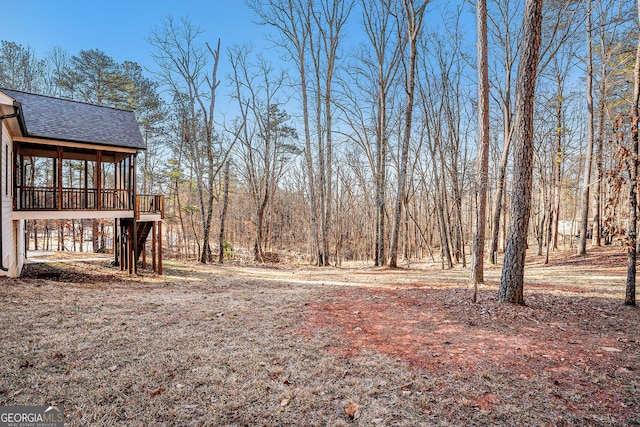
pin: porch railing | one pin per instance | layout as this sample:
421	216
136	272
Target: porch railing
29	198
149	204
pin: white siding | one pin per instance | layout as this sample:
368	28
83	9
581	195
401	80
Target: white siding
12	231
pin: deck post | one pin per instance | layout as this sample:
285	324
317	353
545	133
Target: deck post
130	250
116	242
144	256
123	246
160	247
98	178
153	246
59	177
132	187
85	190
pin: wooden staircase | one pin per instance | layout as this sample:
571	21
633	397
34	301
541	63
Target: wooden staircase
144	228
147	219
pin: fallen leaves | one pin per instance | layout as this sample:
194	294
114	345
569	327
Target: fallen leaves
352	410
406	386
401	342
283	404
157	391
488	401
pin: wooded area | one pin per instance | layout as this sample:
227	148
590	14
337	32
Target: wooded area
375	132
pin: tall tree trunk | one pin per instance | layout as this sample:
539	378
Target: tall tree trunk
543	223
381	175
322	169
257	245
440	203
34	227
451	223
499	208
329	174
584	219
73	235
381	160
512	278
556	168
223	214
414	25
376	20
477	259
500	196
549	232
597	205
95	236
445	251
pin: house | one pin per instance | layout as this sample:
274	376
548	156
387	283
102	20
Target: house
62	159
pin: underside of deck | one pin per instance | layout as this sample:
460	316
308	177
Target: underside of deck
71	214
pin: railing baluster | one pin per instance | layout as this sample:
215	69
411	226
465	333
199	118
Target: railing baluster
50	198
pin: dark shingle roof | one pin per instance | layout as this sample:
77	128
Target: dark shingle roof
61	119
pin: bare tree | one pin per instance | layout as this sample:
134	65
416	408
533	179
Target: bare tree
223	213
56	62
379	28
586	184
368	103
328	18
442	99
560	20
501	31
560	69
412	15
266	140
292	19
189	71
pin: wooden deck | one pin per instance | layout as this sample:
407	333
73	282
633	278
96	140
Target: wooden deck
30	198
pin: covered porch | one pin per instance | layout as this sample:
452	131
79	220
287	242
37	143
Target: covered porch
72	177
68	180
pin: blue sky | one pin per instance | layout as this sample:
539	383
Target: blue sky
119	28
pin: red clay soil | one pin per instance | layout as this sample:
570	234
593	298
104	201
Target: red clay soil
579	354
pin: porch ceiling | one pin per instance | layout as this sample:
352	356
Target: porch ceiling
69	152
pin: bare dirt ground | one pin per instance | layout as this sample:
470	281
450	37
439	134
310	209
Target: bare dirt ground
287	345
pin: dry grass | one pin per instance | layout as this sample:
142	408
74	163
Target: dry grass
245	345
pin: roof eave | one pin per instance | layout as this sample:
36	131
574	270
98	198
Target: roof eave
34	139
